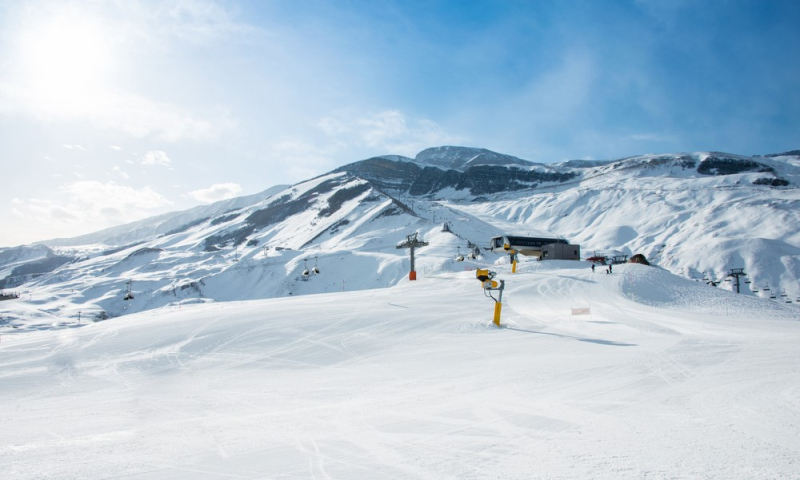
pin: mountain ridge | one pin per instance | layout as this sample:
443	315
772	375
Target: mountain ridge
694	214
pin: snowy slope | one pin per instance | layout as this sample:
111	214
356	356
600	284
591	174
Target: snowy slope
337	222
664	378
151	227
687	222
697	215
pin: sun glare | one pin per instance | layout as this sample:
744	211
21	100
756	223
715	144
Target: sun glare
65	54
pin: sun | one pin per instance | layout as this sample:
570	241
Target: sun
64	54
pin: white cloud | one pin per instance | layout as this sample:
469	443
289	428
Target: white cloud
156	157
388	131
73	147
120	173
109	109
345	132
302	160
333	126
46	211
115	148
89	205
197	21
216	192
563	92
382	127
93	195
17	201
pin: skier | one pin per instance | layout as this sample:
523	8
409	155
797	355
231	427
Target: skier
593	268
611	268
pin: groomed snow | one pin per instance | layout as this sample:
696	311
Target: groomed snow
665	378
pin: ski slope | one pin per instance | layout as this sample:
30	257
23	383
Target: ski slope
678	210
664	378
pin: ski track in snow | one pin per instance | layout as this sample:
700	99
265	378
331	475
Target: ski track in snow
415	382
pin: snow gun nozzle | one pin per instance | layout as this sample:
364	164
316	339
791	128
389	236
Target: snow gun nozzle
484	274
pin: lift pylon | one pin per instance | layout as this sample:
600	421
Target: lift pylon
412	242
736	273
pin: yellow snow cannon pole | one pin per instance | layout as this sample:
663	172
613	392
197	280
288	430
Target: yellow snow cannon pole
512	256
485	277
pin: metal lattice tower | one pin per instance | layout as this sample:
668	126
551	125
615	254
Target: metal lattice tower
411	242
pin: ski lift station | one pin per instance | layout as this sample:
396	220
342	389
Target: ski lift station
541	247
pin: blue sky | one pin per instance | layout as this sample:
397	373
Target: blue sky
114	111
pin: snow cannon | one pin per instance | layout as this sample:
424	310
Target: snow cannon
512	257
486	278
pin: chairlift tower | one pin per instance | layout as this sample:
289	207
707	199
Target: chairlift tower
128	290
412	242
736	273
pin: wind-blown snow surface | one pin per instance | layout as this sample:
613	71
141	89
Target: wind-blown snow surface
666	378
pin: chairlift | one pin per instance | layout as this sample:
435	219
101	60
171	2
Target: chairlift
315	269
783	292
305	269
765	288
459	257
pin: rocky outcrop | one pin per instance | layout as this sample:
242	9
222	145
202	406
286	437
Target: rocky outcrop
462	158
417	180
719	165
771	182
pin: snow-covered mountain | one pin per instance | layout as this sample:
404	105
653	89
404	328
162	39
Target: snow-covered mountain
463	158
694	214
163	224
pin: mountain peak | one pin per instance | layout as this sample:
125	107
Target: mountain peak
461	158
